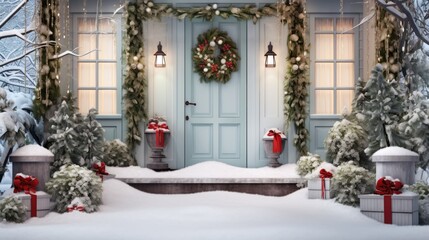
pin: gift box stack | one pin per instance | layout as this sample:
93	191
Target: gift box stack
320	188
389	205
38	203
43	204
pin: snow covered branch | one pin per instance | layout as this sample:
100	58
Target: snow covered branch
68	52
399	9
16	9
18	33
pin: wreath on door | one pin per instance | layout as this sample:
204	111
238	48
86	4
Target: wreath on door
215	56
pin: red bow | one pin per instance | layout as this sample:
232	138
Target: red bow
324	174
159	132
385	186
388	187
27	184
100	168
277	141
24	183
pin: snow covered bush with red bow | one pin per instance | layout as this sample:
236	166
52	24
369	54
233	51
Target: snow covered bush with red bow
73	181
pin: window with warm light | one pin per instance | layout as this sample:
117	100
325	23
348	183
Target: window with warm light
335	62
97	73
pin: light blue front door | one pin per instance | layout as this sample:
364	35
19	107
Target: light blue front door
216	125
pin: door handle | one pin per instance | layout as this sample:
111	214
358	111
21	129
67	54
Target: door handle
190	103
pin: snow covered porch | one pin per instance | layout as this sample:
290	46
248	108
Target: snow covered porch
213	176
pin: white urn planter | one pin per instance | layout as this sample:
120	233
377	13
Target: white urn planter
270	148
153	133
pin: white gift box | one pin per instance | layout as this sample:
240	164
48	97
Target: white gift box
405	208
315	188
44	205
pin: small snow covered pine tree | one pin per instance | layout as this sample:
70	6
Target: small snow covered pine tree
306	164
91	138
414	129
382	108
63	143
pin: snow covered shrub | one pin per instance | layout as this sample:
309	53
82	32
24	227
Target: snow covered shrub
306	164
415	128
345	142
349	181
12	209
73	181
116	153
422	189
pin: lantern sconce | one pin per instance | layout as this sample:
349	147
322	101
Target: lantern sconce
270	57
160	57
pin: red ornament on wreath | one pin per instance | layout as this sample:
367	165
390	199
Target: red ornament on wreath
215	68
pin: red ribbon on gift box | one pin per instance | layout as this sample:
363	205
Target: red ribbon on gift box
323	174
27	184
277	141
159	132
387	188
100	169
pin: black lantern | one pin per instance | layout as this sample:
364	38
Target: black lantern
270	57
160	57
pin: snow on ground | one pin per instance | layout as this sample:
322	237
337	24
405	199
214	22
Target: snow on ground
209	169
130	214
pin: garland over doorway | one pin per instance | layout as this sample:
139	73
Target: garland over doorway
295	84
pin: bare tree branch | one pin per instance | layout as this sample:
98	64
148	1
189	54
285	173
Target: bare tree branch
16	9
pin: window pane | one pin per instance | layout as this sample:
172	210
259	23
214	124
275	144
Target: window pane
85	24
107	74
344	100
86	76
107	102
86	100
345	47
106	26
324	100
345	75
324	46
106	47
324	75
344	24
86	43
324	24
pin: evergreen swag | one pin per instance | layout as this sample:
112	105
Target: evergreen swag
209	67
47	92
295	84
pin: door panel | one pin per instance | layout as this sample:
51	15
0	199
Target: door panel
215	129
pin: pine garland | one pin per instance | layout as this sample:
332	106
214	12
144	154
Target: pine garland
47	92
295	84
